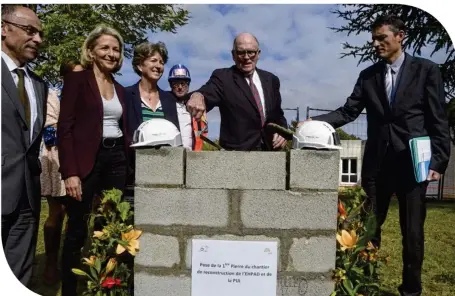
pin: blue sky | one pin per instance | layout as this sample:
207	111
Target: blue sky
296	45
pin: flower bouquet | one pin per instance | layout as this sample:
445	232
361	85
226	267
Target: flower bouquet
110	264
357	258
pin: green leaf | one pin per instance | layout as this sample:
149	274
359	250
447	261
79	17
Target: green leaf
93	272
347	284
79	272
360	246
91	222
376	285
357	287
98	265
357	270
124	208
83	273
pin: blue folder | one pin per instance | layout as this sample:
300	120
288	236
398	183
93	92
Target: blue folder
421	157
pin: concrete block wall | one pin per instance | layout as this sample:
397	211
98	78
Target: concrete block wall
290	198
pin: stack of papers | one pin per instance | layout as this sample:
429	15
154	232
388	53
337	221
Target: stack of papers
421	156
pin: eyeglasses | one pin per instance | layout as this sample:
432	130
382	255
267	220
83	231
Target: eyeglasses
30	30
243	53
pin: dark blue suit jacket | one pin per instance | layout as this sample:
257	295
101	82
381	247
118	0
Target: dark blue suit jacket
418	110
134	112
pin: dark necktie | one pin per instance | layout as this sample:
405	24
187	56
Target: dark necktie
257	98
23	95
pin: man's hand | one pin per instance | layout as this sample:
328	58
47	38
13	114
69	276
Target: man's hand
278	141
196	105
303	121
433	176
73	187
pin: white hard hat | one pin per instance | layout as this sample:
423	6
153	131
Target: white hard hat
157	132
316	134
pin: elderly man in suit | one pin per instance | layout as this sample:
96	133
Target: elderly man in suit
248	99
404	99
23	110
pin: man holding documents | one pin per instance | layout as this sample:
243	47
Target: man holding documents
404	100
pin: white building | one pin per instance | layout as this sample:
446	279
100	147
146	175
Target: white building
351	162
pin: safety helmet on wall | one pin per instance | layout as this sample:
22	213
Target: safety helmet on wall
317	135
179	71
157	132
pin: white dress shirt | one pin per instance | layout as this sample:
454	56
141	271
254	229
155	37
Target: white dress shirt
28	87
257	82
186	128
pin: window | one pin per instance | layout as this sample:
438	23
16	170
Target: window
349	170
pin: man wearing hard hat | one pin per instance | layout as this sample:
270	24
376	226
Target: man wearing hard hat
179	81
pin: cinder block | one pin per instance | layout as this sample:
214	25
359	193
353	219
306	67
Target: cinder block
236	170
300	285
176	206
146	284
158	251
314	254
314	169
160	167
288	210
231	238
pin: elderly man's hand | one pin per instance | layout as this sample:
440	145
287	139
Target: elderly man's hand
303	121
278	141
196	105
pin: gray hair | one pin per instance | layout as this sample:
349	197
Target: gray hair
90	43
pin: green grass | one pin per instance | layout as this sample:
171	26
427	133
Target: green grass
36	284
438	275
438	268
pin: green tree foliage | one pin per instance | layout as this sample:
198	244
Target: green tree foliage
345	136
67	25
423	30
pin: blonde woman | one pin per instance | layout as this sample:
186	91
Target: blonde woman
92	139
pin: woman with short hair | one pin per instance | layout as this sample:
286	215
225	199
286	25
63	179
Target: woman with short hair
144	99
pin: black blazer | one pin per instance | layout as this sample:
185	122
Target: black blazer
418	110
240	127
134	111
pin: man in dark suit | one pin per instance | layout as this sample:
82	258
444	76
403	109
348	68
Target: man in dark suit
23	110
248	99
404	99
